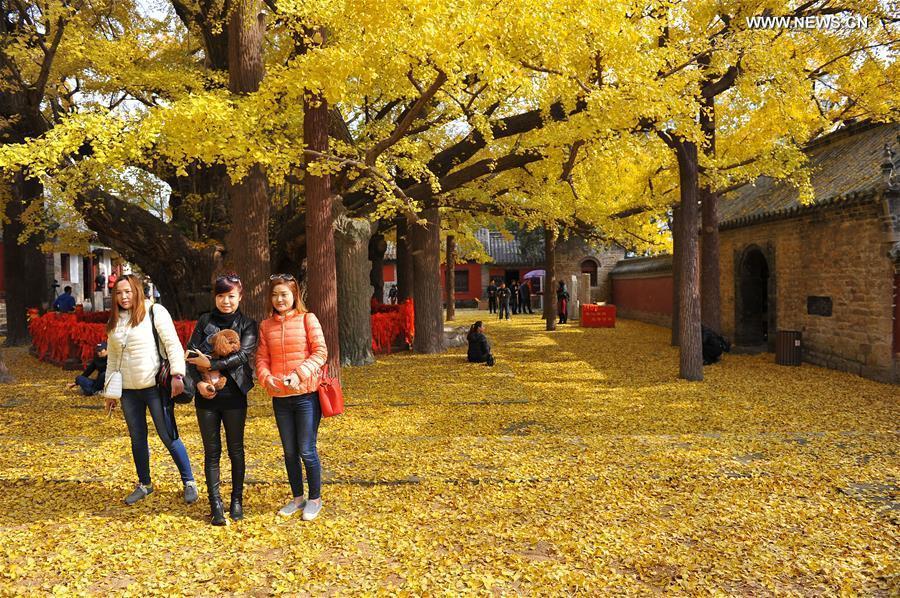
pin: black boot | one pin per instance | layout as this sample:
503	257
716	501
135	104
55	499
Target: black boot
237	509
217	511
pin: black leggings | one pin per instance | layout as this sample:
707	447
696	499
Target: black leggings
210	422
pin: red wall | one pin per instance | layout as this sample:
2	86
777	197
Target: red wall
649	295
389	271
474	271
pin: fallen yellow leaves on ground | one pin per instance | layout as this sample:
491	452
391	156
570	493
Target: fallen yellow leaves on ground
578	464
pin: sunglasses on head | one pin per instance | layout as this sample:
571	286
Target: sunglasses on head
282	277
229	278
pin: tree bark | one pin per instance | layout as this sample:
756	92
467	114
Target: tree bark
550	235
183	272
247	244
354	290
450	278
24	264
677	250
377	247
404	261
691	354
710	292
426	257
321	270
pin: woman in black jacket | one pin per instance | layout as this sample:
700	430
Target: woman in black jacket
479	347
227	407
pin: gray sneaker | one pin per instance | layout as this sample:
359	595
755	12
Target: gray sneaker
190	492
140	492
291	508
311	510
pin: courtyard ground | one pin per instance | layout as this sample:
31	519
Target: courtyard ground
578	464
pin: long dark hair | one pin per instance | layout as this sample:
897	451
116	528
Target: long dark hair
474	330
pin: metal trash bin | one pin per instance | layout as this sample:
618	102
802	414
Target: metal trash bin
788	347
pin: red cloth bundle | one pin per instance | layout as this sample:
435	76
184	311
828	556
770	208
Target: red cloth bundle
58	337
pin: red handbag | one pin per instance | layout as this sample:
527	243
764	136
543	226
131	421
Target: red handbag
331	395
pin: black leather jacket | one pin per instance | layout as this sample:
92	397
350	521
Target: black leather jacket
239	365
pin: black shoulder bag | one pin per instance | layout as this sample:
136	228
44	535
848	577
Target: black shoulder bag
164	374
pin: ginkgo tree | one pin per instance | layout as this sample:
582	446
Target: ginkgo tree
594	117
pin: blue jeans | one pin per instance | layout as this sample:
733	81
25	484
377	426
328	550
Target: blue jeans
89	386
134	406
298	425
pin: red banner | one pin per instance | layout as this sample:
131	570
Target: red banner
598	316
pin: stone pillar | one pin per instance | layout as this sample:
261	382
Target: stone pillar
574	294
584	289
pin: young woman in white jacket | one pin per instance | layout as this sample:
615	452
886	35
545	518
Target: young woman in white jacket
134	356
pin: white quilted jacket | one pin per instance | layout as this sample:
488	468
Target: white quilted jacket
139	360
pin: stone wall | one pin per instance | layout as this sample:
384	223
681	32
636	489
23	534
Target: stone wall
572	251
838	253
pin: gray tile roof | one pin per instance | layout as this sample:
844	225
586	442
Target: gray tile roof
642	266
504	251
846	166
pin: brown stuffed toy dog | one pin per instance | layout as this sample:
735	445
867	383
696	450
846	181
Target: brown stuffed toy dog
224	343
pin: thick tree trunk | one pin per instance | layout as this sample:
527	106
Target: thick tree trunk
321	270
246	34
426	254
354	291
677	250
450	278
377	247
710	293
404	261
183	272
24	265
247	244
691	354
550	235
185	283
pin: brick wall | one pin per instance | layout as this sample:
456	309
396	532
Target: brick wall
572	251
647	298
837	252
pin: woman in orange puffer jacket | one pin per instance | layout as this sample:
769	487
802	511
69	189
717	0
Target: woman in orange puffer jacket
289	358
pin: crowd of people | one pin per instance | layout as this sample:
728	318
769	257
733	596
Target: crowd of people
515	299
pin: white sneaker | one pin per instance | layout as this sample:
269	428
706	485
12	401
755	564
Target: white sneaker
311	509
291	508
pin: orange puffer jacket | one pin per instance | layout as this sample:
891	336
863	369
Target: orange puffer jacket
294	342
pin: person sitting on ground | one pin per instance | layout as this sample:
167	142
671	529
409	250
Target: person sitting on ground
91	386
479	347
714	344
65	302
